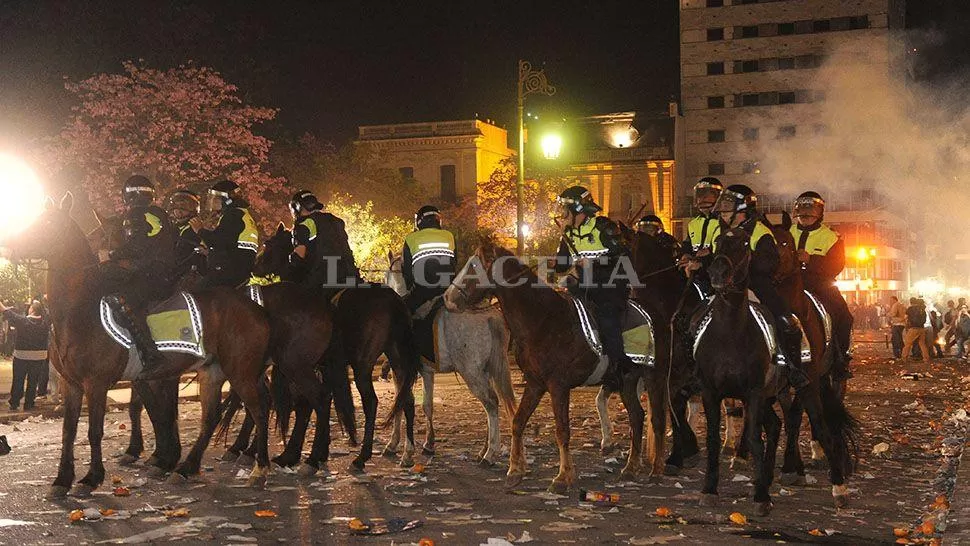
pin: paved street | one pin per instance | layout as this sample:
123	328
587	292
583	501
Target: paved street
457	502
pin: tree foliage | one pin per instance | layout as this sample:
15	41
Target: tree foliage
371	236
180	127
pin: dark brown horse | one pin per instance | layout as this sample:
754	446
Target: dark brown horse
369	320
236	330
551	351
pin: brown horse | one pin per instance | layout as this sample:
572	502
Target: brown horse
90	361
551	351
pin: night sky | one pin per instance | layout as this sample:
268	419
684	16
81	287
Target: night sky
331	66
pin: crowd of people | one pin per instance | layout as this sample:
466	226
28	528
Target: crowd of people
921	330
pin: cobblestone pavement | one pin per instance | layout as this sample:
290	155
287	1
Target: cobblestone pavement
907	485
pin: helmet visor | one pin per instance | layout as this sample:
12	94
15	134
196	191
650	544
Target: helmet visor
809	207
214	200
728	202
650	228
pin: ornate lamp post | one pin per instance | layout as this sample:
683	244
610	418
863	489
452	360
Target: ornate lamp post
530	82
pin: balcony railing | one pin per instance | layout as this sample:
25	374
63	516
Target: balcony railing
419	130
610	155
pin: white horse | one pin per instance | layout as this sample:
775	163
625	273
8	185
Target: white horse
475	345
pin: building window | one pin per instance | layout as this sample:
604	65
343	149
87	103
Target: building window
860	22
803	27
715	135
786	63
806	61
750	167
715	3
715	102
750	99
715	169
749	66
749	31
715	34
449	186
786	131
821	25
786	29
750	133
407	173
786	97
714	69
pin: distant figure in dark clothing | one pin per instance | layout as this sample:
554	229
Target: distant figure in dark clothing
30	351
915	329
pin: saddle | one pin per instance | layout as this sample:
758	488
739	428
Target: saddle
761	316
175	325
638	336
823	313
428	320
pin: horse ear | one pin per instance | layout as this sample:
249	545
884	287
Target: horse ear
280	228
390	258
49	203
67	202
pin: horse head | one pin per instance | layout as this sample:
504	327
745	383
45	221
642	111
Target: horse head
394	277
274	257
52	236
108	236
788	265
489	267
729	270
649	254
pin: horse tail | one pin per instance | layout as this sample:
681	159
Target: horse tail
282	400
408	366
498	364
335	378
227	408
841	424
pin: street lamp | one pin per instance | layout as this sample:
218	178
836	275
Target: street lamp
21	195
530	82
551	146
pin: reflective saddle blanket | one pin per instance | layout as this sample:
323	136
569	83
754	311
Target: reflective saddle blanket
638	339
175	325
765	322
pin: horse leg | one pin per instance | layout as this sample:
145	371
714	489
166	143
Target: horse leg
294	444
560	410
390	449
72	412
160	398
320	450
772	428
762	473
631	401
835	449
247	439
527	405
242	439
657	399
607	445
210	395
427	381
255	397
97	396
792	468
136	442
712	412
368	398
482	389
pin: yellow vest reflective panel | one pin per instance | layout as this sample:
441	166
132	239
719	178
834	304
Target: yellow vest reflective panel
586	240
249	236
155	225
311	227
695	232
428	242
760	230
819	241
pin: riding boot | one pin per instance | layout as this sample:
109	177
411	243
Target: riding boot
790	353
141	335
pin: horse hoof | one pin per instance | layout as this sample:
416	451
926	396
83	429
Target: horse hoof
389	453
257	480
841	501
628	475
177	479
152	461
655	478
356	467
558	488
127	459
762	509
230	456
82	490
306	470
607	449
283	462
428	451
156	472
58	492
818	464
707	500
485	463
692	461
791	478
246	460
513	480
671	470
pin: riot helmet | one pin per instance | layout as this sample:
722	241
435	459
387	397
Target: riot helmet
427	216
182	205
577	199
138	191
706	192
304	200
809	209
222	194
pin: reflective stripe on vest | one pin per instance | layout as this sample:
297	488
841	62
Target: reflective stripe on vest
311	227
760	230
154	223
249	236
429	242
817	242
702	230
586	240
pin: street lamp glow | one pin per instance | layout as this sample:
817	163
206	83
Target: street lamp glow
551	146
21	195
862	254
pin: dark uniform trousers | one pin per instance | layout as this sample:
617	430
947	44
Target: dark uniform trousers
609	306
789	338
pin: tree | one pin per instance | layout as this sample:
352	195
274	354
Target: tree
371	237
184	126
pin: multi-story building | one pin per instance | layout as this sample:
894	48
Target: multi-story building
448	158
750	83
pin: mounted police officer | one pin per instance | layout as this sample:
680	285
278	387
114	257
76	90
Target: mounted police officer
701	232
183	206
737	207
322	259
653	226
234	240
592	244
428	261
821	253
140	271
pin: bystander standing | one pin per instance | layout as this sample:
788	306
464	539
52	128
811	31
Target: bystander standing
915	332
897	323
30	351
